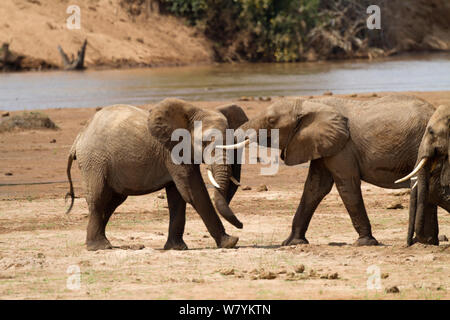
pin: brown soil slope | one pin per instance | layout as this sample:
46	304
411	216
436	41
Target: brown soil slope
36	28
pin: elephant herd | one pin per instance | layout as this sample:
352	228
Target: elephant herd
395	141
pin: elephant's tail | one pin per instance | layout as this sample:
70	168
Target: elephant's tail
72	156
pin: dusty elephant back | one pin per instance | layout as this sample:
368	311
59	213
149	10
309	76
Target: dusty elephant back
385	134
117	147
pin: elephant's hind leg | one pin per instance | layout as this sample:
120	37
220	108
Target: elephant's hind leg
346	176
177	209
318	184
101	206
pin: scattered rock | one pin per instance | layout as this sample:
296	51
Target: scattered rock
267	275
328	93
354	95
265	98
395	205
333	276
161	196
393	289
8	174
195	280
140	40
299	269
443	238
227	272
245	98
98	108
245	188
5	114
374	95
262	188
384	275
53	141
132	247
27	120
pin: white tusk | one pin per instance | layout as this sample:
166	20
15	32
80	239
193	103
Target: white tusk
233	179
211	178
417	169
234	146
415	185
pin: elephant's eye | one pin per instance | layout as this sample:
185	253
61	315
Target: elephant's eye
271	120
431	131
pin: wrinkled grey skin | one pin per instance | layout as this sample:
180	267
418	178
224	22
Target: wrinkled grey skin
347	142
433	184
121	153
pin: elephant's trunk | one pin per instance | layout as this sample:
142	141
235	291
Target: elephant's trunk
225	192
422	201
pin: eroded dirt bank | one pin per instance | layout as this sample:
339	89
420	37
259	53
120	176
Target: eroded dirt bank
34	29
38	243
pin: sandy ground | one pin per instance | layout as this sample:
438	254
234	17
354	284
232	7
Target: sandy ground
41	249
35	29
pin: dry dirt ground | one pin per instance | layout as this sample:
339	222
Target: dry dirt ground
41	249
35	28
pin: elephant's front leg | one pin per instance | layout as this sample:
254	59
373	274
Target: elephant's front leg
177	210
189	183
346	175
318	184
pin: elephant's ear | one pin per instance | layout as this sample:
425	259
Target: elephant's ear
235	115
321	131
167	116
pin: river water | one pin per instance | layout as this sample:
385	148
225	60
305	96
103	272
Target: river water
92	88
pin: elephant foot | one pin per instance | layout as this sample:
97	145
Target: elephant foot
366	241
292	241
227	241
102	244
175	245
431	240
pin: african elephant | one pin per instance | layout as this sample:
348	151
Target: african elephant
123	151
346	141
433	176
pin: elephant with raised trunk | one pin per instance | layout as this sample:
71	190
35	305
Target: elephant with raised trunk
433	178
125	151
347	141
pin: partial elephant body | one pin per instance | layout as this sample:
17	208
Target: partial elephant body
124	153
119	154
433	178
347	142
384	135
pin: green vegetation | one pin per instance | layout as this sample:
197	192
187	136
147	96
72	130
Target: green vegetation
254	30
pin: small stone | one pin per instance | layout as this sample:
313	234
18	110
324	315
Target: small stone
195	280
5	114
267	275
245	188
443	238
161	196
262	188
98	108
374	95
227	272
384	275
299	269
8	174
140	40
53	141
393	289
328	93
395	205
354	95
333	276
